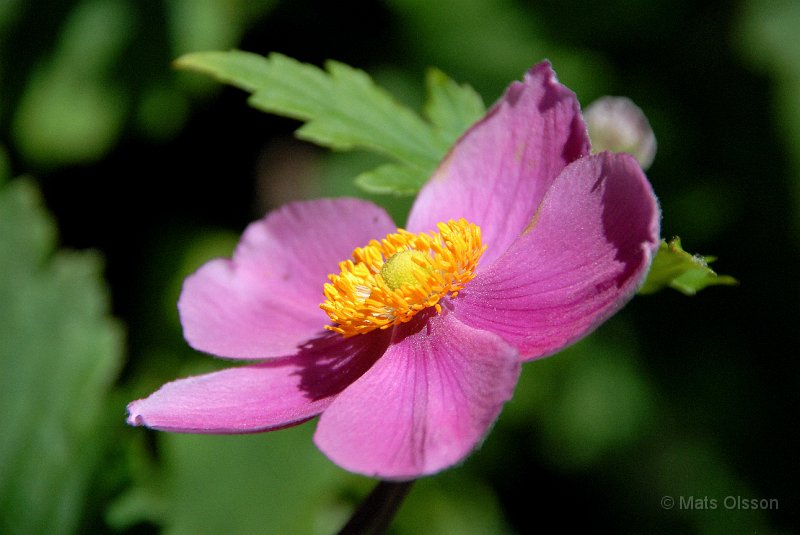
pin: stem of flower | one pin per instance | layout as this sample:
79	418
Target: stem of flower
377	510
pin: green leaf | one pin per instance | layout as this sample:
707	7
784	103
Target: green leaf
452	108
59	354
342	107
682	271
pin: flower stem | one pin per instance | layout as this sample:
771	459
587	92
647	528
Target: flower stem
377	510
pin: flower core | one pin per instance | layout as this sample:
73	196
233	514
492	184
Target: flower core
387	282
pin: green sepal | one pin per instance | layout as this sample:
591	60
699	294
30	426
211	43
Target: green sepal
675	268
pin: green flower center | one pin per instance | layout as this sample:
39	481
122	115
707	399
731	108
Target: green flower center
399	270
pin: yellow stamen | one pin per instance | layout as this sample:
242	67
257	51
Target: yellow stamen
389	281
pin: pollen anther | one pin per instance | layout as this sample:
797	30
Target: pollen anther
387	282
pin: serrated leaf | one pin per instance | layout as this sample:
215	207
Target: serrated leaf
59	354
682	271
342	107
452	108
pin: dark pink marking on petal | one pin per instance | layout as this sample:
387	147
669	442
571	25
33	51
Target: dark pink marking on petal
499	171
265	301
261	397
425	405
585	254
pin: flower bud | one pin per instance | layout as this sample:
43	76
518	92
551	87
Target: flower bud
617	124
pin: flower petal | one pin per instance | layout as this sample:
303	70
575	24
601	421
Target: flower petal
265	301
261	397
499	171
424	405
583	256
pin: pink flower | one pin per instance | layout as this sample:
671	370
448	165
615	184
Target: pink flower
520	244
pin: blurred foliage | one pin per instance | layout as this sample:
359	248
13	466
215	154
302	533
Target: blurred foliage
99	71
233	484
60	353
182	496
161	170
770	43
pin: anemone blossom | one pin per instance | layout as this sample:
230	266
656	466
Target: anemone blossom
520	244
